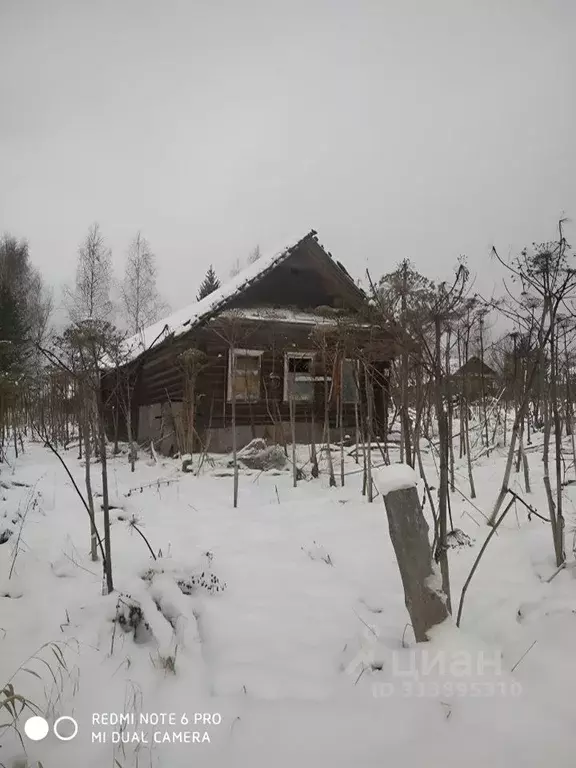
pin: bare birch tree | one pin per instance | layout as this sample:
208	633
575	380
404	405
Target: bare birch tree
89	298
141	301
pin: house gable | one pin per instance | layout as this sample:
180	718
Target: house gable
302	275
308	278
474	366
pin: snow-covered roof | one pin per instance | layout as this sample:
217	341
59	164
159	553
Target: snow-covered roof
285	315
183	320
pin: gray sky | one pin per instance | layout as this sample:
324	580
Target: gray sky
399	127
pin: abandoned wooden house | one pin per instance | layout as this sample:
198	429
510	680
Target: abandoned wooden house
285	345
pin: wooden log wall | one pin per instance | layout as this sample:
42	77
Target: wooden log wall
159	376
162	378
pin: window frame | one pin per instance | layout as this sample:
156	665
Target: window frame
235	352
307	355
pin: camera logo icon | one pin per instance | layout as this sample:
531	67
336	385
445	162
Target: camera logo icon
37	728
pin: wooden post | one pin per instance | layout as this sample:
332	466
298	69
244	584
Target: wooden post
292	405
421	578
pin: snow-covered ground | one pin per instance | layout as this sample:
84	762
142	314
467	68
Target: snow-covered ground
302	650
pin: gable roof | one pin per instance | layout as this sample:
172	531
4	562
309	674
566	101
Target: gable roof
476	367
184	320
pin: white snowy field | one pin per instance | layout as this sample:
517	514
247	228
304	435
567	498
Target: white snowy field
305	654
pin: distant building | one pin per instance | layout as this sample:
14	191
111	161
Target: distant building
475	375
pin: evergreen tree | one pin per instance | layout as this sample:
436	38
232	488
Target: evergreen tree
23	306
24	310
12	331
208	285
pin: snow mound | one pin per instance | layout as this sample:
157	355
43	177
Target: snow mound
254	447
257	455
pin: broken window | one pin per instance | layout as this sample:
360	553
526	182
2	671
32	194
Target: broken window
244	374
299	376
349	385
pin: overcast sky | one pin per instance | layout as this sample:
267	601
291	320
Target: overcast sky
420	128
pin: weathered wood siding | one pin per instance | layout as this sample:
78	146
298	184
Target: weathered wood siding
159	379
163	379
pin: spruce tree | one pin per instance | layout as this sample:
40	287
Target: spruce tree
15	304
208	285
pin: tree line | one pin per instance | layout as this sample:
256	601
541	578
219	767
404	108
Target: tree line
50	380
